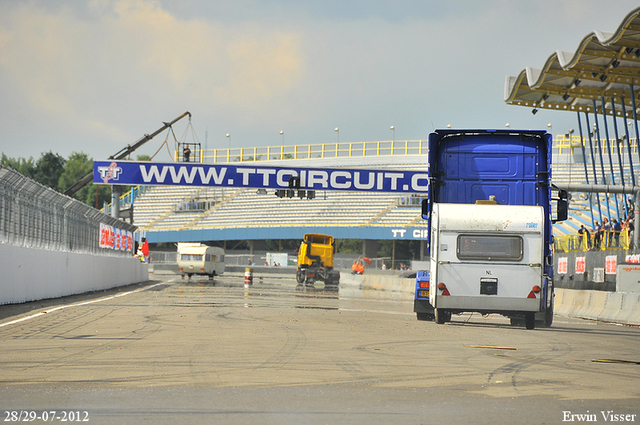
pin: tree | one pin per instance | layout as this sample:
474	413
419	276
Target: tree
349	246
278	245
405	250
77	166
26	167
48	170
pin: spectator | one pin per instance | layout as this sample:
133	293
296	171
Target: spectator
585	235
186	153
617	228
358	266
606	232
597	235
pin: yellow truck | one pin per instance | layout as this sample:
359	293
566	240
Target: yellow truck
315	260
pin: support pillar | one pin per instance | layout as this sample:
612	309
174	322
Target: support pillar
593	165
619	151
635	120
586	172
370	248
636	222
115	201
628	137
607	141
599	144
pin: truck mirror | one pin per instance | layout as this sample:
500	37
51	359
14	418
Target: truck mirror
425	208
563	194
563	210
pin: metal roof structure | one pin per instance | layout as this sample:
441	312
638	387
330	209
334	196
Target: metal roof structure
605	69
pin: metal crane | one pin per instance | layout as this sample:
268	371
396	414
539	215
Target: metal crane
123	153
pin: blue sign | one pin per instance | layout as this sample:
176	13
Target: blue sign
261	177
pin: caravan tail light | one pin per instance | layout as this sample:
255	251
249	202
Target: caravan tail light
201	270
443	288
534	291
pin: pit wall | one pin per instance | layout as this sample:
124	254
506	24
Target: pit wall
616	307
28	274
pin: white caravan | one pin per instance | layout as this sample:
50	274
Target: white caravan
200	259
488	259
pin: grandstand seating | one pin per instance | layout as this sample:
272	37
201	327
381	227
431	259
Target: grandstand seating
158	202
158	209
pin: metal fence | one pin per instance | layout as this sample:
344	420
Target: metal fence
315	151
340	261
607	240
35	216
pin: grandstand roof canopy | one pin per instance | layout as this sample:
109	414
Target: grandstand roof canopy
604	65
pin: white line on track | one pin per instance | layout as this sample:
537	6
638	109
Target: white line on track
42	313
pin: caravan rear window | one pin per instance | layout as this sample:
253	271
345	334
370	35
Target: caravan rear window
489	247
191	257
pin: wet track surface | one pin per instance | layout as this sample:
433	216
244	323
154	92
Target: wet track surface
172	351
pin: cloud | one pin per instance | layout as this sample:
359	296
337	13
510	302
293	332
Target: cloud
91	67
95	76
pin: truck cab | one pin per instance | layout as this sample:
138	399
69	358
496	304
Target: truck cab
315	260
490	198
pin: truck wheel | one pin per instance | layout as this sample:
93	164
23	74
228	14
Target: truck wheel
516	321
300	276
441	316
530	320
424	316
332	283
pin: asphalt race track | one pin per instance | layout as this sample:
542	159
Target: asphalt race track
171	351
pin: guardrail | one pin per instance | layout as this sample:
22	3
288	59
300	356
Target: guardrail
316	151
35	216
609	240
567	143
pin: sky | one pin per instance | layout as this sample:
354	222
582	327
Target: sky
95	76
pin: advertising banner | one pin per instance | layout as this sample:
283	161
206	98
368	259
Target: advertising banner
261	177
114	238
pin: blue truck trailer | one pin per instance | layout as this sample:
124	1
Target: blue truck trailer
493	254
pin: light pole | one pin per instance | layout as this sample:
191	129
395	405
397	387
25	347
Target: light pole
393	128
337	130
569	136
